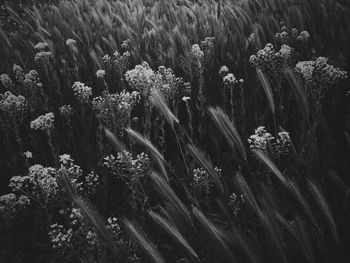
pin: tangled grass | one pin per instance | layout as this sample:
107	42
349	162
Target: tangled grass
174	131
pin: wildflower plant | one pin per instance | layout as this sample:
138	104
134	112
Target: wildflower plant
43	122
12	111
132	172
203	181
263	141
319	76
82	92
114	110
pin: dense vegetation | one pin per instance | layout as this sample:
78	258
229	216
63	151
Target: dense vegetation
174	131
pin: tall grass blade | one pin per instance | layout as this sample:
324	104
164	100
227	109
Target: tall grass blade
164	189
199	156
229	131
144	242
117	145
286	182
156	155
265	82
158	101
90	213
322	203
214	235
174	233
298	91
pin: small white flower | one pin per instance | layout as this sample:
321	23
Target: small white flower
28	154
100	73
186	98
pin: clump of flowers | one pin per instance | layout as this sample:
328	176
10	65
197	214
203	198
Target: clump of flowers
11	204
85	185
130	170
320	72
196	52
114	110
263	141
144	79
41	46
141	78
259	140
43	122
319	76
100	73
6	81
230	79
82	92
18	72
40	183
208	47
32	89
71	43
223	71
75	239
43	58
12	110
236	203
66	112
28	154
118	62
292	37
202	180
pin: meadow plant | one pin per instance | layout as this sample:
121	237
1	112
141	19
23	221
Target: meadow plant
43	122
13	109
114	110
82	92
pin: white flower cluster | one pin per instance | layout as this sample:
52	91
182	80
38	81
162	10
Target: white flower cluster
236	202
202	180
230	79
12	110
141	78
6	81
43	122
268	57
262	139
259	140
113	226
130	170
10	204
319	72
40	182
144	79
41	46
168	84
84	185
304	36
82	92
66	111
114	110
11	103
223	70
100	73
287	36
306	69
28	154
18	71
59	236
196	52
43	57
286	51
71	43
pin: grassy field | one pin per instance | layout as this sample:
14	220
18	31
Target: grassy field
174	131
